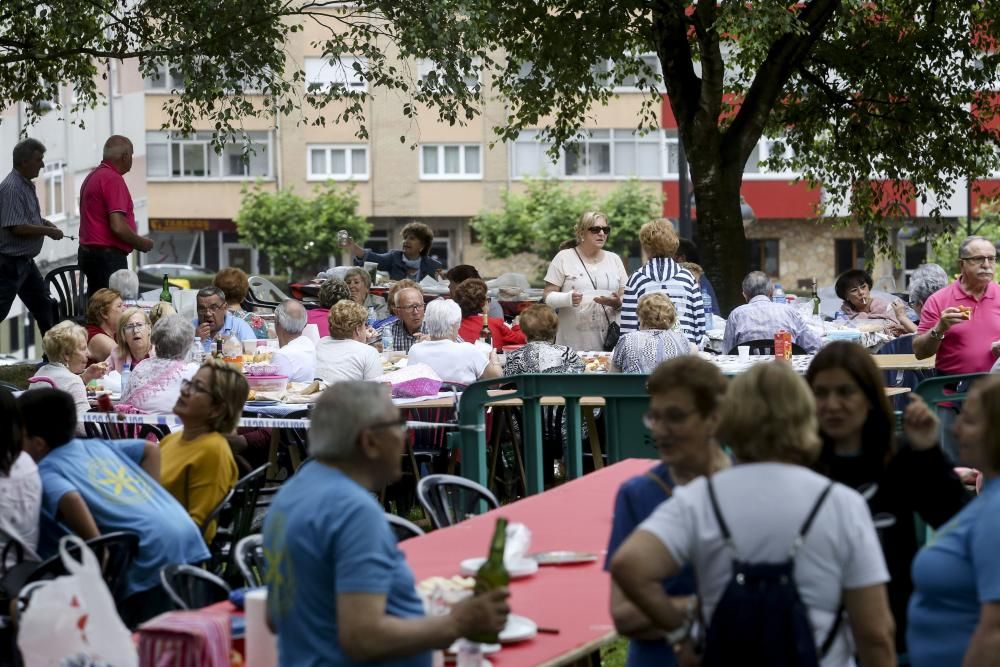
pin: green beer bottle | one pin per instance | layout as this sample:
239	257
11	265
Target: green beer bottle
165	292
493	574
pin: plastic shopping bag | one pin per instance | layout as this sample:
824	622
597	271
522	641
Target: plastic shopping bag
72	619
413	381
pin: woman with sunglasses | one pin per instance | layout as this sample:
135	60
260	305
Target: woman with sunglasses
585	284
133	341
196	465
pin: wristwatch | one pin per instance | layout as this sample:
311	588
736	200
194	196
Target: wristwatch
936	334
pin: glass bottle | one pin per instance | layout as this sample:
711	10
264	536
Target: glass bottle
815	298
484	333
165	292
493	574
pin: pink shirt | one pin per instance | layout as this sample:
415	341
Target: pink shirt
104	192
966	345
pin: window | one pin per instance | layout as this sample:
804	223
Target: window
604	72
340	163
599	154
170	155
848	254
346	72
425	66
166	78
763	255
54	207
451	162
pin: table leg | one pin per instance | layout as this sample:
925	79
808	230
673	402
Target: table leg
595	441
574	444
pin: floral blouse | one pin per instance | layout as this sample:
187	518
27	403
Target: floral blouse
255	321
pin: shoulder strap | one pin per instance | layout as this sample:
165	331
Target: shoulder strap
815	509
718	513
584	265
662	482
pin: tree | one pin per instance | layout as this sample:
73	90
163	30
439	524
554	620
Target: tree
298	234
545	216
876	101
944	248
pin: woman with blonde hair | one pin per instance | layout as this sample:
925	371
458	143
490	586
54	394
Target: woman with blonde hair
584	285
160	310
133	341
797	518
104	310
68	369
196	465
343	355
656	340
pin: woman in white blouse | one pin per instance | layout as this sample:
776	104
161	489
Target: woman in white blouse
459	363
65	345
585	284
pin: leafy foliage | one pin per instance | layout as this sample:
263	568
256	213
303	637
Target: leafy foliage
299	234
944	248
545	216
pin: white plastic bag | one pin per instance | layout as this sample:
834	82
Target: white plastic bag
72	619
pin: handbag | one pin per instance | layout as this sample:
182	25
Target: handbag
614	331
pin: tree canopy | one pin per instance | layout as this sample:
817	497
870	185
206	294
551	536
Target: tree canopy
858	91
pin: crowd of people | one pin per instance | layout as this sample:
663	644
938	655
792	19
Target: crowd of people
802	485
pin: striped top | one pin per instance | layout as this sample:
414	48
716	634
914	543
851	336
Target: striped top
18	206
663	274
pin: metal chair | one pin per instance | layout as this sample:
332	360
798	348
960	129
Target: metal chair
70	287
123	431
214	514
449	499
403	529
249	557
764	346
114	551
236	517
190	587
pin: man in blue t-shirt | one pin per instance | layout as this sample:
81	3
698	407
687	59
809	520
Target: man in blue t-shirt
339	589
93	487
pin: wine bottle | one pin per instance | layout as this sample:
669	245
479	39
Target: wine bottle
165	292
815	298
493	574
484	333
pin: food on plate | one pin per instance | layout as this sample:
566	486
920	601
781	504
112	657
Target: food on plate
262	356
252	395
445	584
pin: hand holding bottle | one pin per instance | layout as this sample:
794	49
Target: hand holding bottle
482	614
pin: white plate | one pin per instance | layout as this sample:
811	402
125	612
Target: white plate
522	568
564	557
518	629
487	649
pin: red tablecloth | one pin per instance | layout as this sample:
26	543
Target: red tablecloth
574	598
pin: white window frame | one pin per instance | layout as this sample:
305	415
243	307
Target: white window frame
615	135
348	174
425	65
609	67
762	173
55	208
165	71
440	175
329	72
209	153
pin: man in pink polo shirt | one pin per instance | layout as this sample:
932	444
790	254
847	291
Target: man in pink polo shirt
961	322
107	218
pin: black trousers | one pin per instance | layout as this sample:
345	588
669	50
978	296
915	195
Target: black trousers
97	263
20	277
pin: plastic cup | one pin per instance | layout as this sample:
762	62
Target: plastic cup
744	351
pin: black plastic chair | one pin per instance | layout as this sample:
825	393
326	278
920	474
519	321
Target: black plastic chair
214	514
236	518
249	557
764	346
114	551
449	499
70	288
191	587
295	443
123	431
402	528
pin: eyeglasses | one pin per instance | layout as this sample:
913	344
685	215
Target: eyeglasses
399	422
980	259
597	230
195	386
137	326
654	417
413	309
212	309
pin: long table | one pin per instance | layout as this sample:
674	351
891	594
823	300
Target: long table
573	598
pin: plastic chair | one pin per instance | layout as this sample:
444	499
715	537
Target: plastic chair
448	499
403	529
123	431
249	557
263	294
190	587
114	551
295	442
236	516
947	388
764	346
214	514
70	287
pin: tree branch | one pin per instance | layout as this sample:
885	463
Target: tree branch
669	32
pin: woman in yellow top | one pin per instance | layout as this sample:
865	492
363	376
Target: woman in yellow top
196	464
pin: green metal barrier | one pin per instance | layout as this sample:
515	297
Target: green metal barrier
625	402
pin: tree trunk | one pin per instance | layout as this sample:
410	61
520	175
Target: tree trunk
721	239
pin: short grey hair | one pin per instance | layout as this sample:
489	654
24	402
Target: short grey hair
359	272
25	149
931	271
126	283
211	290
442	318
291	316
969	240
395	297
756	283
172	337
343	411
922	288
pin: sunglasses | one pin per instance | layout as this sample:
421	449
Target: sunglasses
598	230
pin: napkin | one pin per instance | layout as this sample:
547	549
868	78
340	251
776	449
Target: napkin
518	543
296	392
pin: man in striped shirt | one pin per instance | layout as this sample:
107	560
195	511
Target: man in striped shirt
22	232
662	274
761	318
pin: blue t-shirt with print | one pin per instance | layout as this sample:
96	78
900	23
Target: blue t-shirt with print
636	500
953	576
120	497
325	535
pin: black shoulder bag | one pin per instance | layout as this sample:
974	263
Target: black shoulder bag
614	331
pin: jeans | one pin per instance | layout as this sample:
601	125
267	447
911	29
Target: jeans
98	263
20	277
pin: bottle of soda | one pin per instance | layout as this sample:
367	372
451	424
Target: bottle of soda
484	333
493	574
165	292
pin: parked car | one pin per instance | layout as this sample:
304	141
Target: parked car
151	275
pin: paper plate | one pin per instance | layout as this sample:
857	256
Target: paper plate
263	403
518	629
522	568
564	557
487	649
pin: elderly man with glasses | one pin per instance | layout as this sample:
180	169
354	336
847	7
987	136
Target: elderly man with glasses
215	319
409	328
961	322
